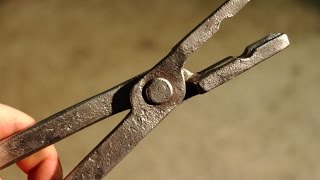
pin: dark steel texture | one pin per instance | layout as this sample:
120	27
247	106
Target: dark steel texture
209	26
231	67
150	96
65	123
158	91
144	117
140	121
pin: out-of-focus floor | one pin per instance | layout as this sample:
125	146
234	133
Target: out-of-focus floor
265	124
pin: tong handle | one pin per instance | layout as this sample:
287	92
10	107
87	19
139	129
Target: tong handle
65	123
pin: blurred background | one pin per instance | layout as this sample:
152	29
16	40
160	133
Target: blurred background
265	124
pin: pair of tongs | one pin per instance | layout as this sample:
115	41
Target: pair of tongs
150	96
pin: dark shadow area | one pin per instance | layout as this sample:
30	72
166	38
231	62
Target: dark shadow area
314	4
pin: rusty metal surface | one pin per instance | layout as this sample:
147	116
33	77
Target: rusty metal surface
136	95
65	123
231	67
144	117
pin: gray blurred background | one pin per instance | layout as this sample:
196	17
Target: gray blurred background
265	124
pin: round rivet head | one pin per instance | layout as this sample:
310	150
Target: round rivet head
159	90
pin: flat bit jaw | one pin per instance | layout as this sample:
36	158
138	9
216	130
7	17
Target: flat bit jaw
208	27
231	67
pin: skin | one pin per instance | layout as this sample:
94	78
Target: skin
43	165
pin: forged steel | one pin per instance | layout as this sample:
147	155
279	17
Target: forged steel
158	91
65	123
209	26
150	96
231	67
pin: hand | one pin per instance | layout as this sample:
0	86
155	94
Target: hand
41	165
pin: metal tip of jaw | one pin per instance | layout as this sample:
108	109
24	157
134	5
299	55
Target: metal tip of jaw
270	45
207	28
231	67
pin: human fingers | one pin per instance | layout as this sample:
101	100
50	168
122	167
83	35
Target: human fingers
42	165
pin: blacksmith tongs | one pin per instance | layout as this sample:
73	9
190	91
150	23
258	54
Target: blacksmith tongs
150	96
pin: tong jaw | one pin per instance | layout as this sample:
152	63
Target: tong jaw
231	67
208	27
